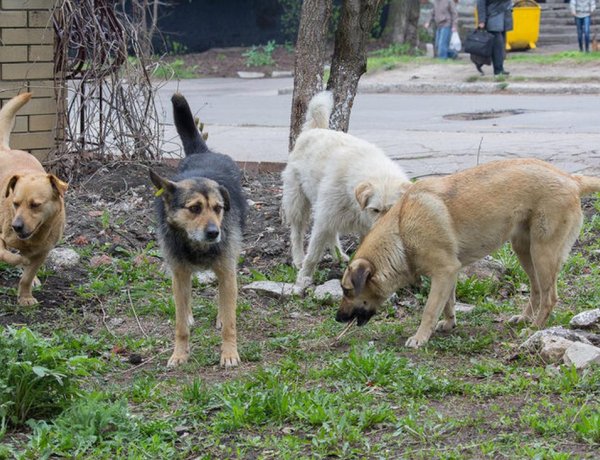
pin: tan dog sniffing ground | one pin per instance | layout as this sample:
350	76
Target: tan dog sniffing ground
32	211
443	224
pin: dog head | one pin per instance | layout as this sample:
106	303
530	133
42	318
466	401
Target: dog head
361	294
376	198
196	206
34	198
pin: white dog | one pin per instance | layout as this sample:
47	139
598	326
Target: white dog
347	181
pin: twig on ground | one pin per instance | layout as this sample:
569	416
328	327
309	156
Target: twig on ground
135	314
346	329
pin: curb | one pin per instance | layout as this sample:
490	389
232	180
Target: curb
499	87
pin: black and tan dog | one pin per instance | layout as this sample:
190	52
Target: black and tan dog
201	214
443	224
32	210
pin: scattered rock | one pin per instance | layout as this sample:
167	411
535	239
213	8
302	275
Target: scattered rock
243	74
484	268
534	343
274	288
553	348
62	258
463	307
593	338
135	359
582	355
207	277
329	292
282	73
115	322
586	319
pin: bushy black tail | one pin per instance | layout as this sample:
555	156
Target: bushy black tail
186	127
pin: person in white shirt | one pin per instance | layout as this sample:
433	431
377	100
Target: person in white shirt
582	10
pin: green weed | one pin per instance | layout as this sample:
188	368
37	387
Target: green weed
255	57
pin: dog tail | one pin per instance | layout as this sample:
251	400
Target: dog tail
319	111
186	127
7	117
587	184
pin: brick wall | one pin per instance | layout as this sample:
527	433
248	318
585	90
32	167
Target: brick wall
26	64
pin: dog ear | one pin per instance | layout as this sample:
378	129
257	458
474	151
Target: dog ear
226	199
363	192
58	185
11	185
361	271
162	185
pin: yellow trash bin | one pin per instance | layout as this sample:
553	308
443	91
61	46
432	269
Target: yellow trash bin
526	27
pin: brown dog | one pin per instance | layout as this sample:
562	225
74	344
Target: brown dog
443	224
32	211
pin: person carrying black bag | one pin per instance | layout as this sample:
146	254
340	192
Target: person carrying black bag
495	16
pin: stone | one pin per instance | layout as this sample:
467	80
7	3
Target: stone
463	307
586	319
207	277
329	292
534	343
243	74
429	50
485	268
61	258
582	355
282	73
553	348
275	289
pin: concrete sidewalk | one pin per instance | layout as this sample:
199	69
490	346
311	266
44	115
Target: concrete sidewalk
424	117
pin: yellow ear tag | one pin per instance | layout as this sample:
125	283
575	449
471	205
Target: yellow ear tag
159	192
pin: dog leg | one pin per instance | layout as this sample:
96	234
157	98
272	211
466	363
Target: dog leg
182	292
24	295
320	236
521	243
226	275
10	257
337	251
296	212
442	287
449	321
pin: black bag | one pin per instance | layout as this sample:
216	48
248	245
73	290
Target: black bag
479	42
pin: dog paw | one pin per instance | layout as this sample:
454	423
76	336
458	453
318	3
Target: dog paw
27	301
177	358
230	358
36	282
219	323
304	281
190	320
416	342
445	325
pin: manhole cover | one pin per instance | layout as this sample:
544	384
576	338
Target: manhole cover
484	115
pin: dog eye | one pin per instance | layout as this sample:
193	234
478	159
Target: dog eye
375	210
195	208
218	208
33	205
16	205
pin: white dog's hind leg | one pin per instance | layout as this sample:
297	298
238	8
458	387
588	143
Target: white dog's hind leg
296	209
337	251
320	237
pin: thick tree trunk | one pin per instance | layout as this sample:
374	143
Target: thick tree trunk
350	57
402	22
310	56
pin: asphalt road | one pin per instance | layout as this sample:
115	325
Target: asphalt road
426	134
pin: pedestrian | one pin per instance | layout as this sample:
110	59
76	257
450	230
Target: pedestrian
495	16
445	17
582	10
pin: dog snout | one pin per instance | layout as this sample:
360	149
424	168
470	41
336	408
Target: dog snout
18	226
212	232
362	316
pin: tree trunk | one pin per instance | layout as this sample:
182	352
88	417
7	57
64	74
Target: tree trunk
310	58
402	22
350	57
